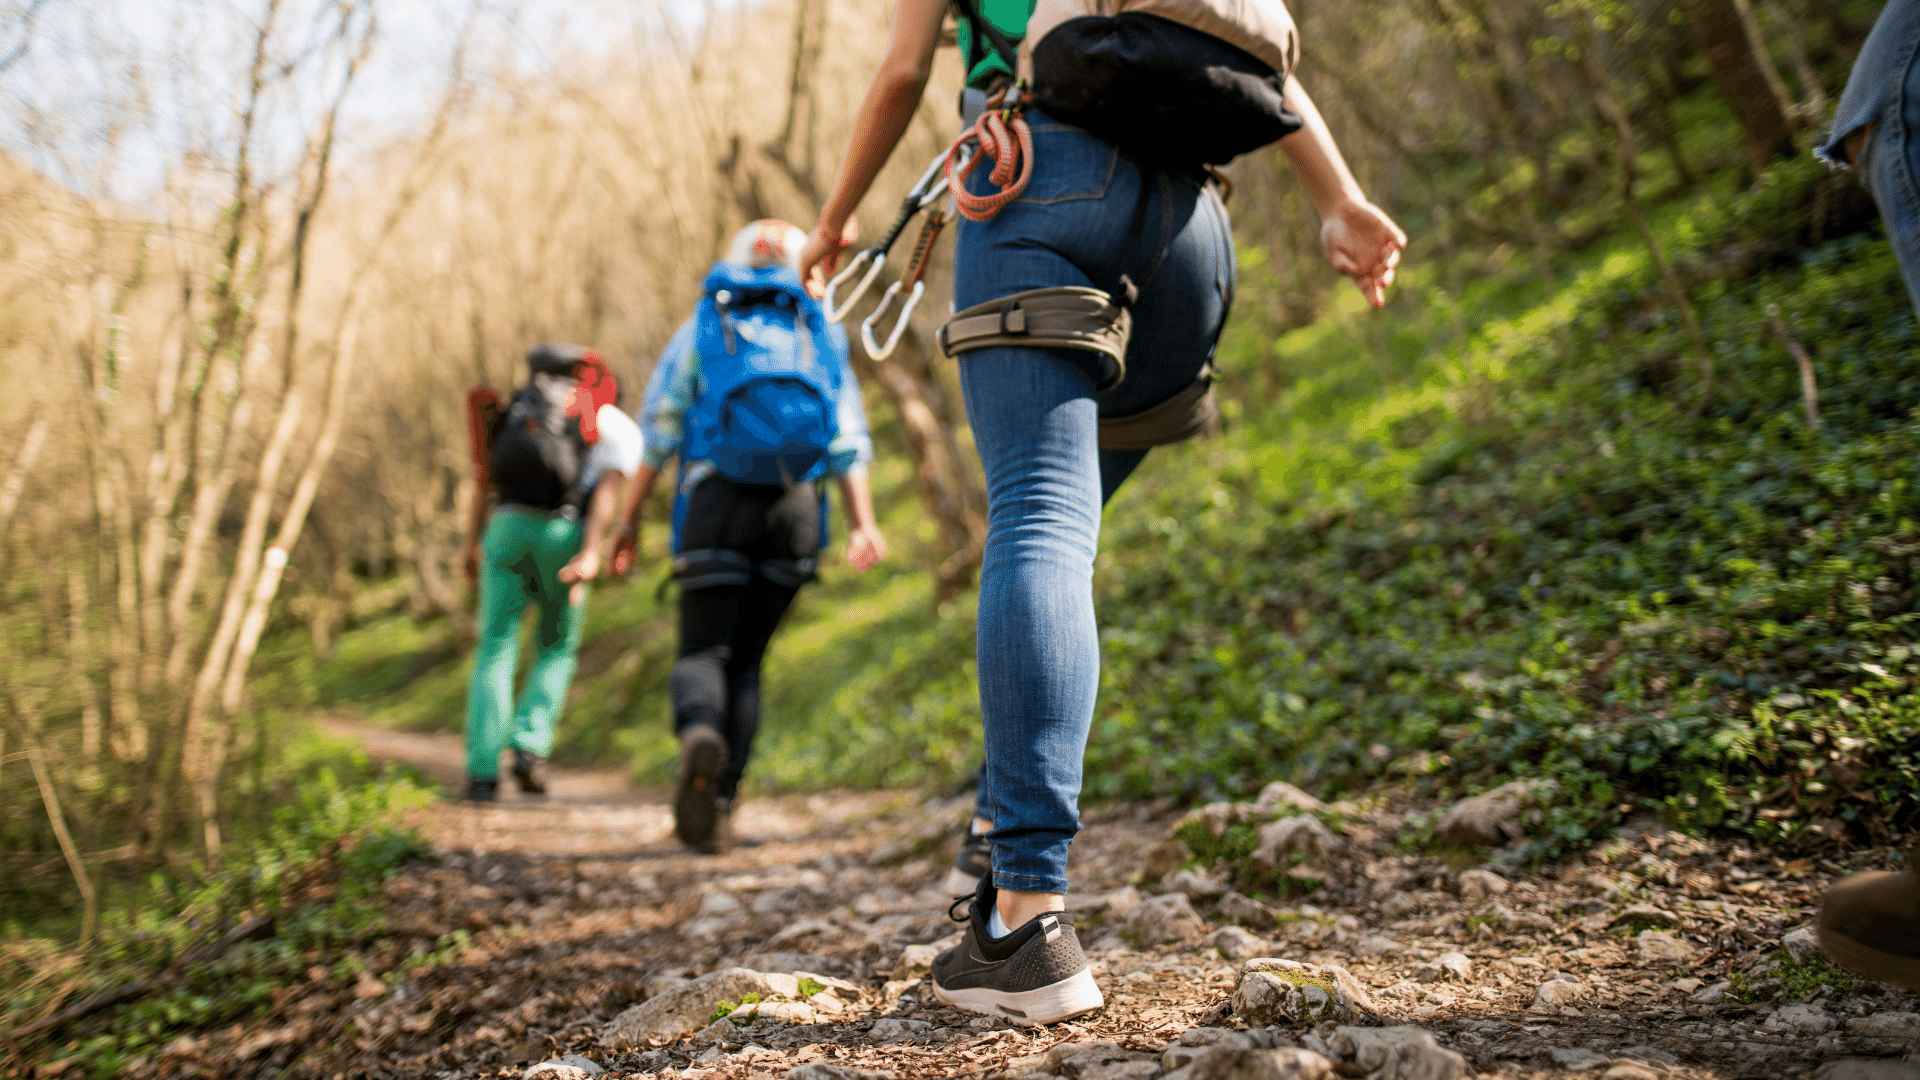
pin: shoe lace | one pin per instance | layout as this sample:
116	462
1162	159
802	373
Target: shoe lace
961	908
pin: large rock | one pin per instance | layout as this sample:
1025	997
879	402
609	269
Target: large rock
1195	885
1281	842
1227	1061
1903	1026
1282	797
1195	1041
1557	994
1393	1053
1236	943
1808	1020
1482	885
1275	991
1493	817
682	1010
1245	910
1663	947
1166	920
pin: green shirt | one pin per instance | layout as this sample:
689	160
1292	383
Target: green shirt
984	63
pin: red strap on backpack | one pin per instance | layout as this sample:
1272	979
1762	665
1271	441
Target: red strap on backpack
483	412
597	387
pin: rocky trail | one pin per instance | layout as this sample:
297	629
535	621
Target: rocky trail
571	937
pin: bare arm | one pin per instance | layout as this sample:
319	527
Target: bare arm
888	108
1360	240
865	544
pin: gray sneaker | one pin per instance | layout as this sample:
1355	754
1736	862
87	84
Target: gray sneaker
696	801
1035	975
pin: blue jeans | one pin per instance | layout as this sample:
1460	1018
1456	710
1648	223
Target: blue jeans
1884	92
1089	217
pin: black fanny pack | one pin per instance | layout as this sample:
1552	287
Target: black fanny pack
1162	92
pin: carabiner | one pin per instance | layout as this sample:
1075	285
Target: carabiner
879	350
836	309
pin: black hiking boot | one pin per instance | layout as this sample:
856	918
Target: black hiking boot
482	790
529	773
1035	975
697	809
972	862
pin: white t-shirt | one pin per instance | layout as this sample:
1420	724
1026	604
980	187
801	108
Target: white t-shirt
619	448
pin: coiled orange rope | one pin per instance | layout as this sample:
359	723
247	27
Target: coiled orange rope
1003	135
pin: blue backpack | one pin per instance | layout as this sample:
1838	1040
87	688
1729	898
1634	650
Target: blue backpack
769	412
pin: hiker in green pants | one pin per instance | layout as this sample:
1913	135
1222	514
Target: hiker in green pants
561	447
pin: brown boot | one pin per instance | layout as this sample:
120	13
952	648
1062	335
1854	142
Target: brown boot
1870	924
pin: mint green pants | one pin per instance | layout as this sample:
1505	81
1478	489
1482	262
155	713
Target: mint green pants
520	564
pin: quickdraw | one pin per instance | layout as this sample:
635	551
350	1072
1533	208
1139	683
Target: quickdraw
1002	133
864	269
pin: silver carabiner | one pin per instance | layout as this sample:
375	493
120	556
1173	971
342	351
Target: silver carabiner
879	350
836	309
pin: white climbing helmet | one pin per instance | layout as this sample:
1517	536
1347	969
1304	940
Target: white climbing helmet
767	242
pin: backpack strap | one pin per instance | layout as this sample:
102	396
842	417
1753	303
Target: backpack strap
1006	48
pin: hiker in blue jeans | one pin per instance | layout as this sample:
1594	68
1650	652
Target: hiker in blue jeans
1870	922
1876	130
1060	428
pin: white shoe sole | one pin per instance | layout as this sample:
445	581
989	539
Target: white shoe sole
1074	996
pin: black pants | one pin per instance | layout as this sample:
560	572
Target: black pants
764	540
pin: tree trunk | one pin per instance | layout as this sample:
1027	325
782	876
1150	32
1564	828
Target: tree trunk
1721	36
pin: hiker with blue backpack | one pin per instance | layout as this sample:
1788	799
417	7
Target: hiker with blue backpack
1093	274
755	397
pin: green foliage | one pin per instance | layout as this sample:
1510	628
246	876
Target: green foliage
312	879
810	987
1784	978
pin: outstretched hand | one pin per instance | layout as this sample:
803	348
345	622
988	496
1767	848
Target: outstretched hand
1363	243
866	548
820	258
584	568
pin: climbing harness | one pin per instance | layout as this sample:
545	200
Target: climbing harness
864	269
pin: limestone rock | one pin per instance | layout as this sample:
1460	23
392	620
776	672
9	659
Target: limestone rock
1194	885
1801	943
1245	910
1663	947
1482	885
1557	993
916	961
1395	1053
682	1009
1630	1070
1281	796
1646	917
1275	991
1453	966
894	1029
1578	1059
1231	1062
1302	836
1800	1020
1166	920
1887	1025
1236	943
1492	817
571	1067
1194	1041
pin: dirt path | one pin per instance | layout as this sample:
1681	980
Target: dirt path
542	923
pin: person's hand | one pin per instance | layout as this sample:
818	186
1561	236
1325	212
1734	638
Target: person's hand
626	551
470	564
820	258
1362	242
866	548
584	568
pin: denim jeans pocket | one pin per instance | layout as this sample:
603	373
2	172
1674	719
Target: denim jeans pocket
1069	165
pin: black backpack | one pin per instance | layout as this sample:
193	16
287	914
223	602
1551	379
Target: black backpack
539	453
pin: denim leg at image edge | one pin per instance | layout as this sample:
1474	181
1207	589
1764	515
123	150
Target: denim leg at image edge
1893	174
1036	427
